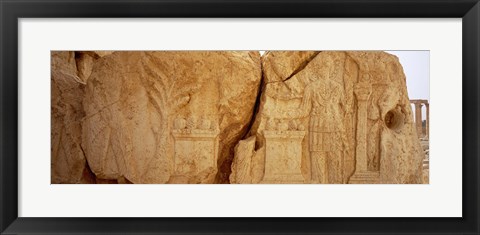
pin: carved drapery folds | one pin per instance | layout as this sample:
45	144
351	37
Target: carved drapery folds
355	112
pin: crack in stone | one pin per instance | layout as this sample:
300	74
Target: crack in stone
256	107
302	66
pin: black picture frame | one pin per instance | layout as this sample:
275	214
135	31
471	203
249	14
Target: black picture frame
11	11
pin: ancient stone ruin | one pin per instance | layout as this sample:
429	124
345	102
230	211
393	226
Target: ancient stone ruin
284	117
423	133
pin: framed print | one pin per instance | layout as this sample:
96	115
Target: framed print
239	117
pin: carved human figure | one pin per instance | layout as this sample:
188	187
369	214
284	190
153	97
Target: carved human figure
322	101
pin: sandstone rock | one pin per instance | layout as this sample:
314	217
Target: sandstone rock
242	165
102	53
168	117
206	117
281	65
68	163
357	114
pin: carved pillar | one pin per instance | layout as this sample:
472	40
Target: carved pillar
427	105
363	93
418	118
362	175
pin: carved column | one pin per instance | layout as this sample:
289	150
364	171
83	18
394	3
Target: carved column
418	118
427	105
362	93
362	175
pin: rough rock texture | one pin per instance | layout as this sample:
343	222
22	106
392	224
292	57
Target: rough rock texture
168	117
332	117
69	74
247	167
68	161
232	117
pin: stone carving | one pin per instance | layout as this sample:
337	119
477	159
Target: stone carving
145	112
69	74
321	102
283	155
363	90
242	166
287	117
196	151
357	113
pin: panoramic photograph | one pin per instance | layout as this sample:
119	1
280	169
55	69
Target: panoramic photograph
240	117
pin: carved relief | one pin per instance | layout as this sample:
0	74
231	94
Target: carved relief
322	101
331	117
150	112
283	154
362	91
196	151
355	111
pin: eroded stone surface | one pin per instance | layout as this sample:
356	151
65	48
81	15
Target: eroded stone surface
355	111
168	117
191	117
68	161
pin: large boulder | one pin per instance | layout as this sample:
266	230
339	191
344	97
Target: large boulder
332	117
168	117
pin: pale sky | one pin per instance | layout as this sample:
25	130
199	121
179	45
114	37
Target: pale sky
416	66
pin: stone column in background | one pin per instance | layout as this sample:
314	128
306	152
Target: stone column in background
418	118
427	132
